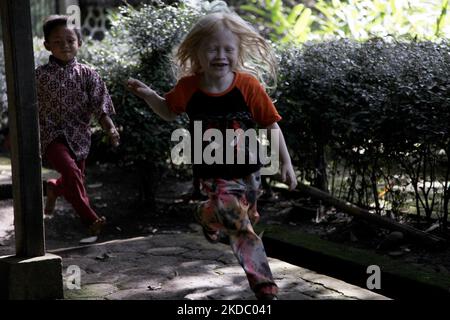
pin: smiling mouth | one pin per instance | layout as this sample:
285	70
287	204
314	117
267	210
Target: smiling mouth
219	65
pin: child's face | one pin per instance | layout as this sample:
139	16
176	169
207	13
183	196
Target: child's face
63	43
218	54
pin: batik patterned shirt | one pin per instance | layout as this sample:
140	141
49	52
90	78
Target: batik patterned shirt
68	96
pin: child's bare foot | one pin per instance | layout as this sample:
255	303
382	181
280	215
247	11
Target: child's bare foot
254	217
51	200
216	236
211	236
96	227
266	292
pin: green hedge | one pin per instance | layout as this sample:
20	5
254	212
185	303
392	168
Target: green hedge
369	94
380	108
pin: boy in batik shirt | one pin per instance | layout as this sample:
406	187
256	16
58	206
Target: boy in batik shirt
69	94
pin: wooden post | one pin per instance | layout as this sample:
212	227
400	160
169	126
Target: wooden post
24	129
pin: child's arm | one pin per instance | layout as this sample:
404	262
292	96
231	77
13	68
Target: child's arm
108	126
287	171
156	102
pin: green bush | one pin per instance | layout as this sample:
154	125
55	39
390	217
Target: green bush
396	94
291	21
140	45
372	105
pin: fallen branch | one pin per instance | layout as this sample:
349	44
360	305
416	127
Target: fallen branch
353	210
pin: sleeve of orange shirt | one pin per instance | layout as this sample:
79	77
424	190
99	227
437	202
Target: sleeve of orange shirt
259	102
178	97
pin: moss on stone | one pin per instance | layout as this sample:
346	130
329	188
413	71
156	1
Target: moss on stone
355	255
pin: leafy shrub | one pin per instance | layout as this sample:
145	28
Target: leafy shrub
373	105
139	45
290	21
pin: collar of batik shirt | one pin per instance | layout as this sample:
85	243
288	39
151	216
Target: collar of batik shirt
56	62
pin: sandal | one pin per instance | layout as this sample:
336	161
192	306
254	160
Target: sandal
96	227
50	202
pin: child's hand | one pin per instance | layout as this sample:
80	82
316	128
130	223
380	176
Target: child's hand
114	137
288	175
139	88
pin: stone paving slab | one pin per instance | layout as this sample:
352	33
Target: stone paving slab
185	266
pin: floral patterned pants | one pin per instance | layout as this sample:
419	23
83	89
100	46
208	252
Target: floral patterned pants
231	208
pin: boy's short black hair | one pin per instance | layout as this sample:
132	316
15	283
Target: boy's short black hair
54	21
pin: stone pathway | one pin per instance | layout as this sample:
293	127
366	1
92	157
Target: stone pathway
170	266
176	266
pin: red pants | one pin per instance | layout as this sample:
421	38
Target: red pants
71	183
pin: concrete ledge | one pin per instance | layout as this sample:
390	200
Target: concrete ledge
398	280
31	278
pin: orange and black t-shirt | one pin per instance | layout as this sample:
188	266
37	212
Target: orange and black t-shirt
244	105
